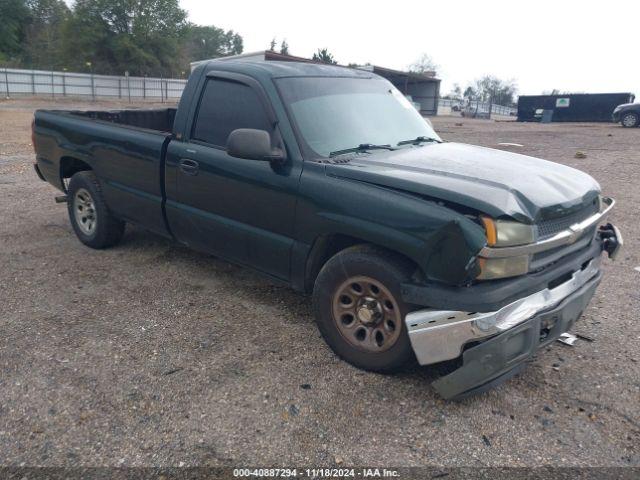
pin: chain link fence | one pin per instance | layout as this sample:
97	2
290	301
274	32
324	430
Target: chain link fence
482	107
16	82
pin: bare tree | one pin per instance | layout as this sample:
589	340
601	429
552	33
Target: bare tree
425	65
502	92
456	92
469	93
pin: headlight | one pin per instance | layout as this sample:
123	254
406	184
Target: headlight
505	233
492	268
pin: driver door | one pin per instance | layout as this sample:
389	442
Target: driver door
238	209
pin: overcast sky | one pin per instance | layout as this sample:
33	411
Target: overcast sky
581	46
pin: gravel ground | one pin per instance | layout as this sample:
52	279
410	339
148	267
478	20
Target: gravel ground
151	354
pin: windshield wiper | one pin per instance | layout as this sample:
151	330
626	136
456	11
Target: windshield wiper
363	147
418	141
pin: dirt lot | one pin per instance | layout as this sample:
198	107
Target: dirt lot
150	354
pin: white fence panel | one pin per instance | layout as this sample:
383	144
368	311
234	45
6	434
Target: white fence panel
16	82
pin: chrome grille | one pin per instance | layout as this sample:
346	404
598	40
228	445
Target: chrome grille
548	228
543	258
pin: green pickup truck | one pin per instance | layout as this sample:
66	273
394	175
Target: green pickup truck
327	179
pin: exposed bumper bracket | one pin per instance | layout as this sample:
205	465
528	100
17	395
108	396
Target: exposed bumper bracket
501	357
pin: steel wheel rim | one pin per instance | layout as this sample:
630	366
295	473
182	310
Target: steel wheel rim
366	314
629	120
85	211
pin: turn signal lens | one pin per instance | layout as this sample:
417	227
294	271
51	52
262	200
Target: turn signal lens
506	233
490	228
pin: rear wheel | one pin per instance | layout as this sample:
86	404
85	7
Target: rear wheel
630	119
359	308
90	217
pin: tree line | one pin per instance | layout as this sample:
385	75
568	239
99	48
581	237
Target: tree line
149	37
485	89
143	37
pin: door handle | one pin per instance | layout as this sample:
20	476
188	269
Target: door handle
188	166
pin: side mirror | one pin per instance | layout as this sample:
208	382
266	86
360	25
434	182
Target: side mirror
252	144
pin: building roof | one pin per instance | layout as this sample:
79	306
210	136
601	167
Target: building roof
389	72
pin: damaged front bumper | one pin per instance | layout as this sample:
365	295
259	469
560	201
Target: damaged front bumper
497	343
502	356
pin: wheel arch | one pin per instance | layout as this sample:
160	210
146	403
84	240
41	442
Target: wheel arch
69	166
327	245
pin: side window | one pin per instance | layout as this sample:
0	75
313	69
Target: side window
225	106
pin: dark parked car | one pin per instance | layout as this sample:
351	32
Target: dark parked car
628	114
328	180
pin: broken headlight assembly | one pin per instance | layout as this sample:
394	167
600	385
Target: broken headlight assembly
505	233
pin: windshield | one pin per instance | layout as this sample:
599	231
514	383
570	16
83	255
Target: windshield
335	114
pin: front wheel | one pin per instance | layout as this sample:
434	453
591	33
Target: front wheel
90	217
359	309
630	120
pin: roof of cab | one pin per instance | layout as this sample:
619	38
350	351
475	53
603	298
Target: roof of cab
276	69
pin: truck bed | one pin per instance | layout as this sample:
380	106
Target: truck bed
124	148
160	119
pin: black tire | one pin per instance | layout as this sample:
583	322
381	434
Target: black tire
630	119
387	268
105	230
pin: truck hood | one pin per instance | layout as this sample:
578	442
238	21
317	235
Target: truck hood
494	182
